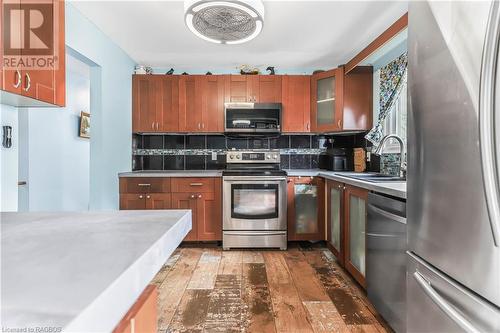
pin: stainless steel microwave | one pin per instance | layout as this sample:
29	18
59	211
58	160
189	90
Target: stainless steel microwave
252	117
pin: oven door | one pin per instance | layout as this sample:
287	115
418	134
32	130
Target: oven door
254	203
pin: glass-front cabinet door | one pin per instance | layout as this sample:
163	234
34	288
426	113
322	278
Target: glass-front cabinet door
335	219
355	235
306	220
327	106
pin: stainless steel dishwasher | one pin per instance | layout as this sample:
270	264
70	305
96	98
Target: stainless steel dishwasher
386	258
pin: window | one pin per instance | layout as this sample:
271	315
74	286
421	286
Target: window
395	123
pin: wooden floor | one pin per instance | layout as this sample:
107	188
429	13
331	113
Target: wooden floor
299	290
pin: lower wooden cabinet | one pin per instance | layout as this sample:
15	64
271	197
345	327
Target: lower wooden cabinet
306	219
203	196
346	225
142	316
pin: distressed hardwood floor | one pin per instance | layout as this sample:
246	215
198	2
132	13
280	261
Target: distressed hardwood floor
299	290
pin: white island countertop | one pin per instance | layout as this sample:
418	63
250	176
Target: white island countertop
81	271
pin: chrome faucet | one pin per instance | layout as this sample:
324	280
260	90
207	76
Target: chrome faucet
378	151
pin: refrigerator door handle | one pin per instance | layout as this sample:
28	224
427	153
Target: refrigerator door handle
444	305
487	121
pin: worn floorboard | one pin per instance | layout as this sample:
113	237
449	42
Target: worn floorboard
300	290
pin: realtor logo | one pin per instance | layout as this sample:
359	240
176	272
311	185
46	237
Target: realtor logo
28	37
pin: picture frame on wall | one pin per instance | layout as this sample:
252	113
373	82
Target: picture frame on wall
84	125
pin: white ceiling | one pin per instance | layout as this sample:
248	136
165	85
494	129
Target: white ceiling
298	36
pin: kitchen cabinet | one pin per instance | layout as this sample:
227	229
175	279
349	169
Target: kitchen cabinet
335	219
327	100
253	88
306	213
212	106
358	99
203	196
142	316
45	84
355	232
296	99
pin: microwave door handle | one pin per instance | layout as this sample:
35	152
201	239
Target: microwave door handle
489	163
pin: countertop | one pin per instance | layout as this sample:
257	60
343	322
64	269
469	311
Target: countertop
396	189
82	271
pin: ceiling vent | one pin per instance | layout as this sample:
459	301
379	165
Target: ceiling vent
224	22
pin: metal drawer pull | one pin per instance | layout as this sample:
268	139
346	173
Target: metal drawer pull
148	197
140	197
380	235
391	216
444	305
18	81
199	196
196	184
28	82
255	233
143	184
192	196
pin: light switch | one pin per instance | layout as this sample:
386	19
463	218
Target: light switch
214	156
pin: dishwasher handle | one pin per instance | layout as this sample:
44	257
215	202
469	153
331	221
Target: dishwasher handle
387	214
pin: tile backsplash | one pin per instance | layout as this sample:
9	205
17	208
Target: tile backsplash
207	152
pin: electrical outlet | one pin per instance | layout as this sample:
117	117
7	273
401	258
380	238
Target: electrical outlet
214	156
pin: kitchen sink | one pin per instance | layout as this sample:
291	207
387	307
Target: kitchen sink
373	177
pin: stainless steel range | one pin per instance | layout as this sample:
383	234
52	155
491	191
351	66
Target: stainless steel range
254	200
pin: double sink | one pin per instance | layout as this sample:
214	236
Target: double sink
373	177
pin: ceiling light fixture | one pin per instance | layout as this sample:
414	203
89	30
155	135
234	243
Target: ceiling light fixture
224	22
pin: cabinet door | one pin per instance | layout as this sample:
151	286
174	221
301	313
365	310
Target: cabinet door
159	201
213	103
48	84
267	89
355	236
327	100
142	316
187	201
236	88
306	218
335	227
12	78
209	215
169	120
132	201
358	99
146	103
296	96
190	103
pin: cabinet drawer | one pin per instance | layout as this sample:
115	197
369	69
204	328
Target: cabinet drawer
198	185
144	185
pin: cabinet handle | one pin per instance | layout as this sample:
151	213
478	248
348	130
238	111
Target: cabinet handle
203	125
148	197
339	123
307	126
192	196
143	184
153	125
28	82
18	81
157	126
199	196
196	184
140	197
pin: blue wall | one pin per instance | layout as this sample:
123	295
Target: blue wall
111	106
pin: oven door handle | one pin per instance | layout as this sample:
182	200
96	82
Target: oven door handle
246	233
251	179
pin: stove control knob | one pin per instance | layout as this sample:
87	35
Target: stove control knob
275	156
268	156
238	157
231	156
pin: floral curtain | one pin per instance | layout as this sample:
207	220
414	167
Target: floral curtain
392	76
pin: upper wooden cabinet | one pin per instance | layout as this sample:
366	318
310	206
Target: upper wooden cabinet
155	103
29	84
327	100
358	99
253	88
296	99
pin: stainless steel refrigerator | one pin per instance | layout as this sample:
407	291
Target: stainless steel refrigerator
453	272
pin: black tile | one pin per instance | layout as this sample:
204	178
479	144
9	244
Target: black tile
153	142
282	142
136	141
195	162
258	143
285	161
153	162
216	142
174	142
314	161
300	161
315	141
137	163
343	141
173	162
218	164
237	143
300	141
195	142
